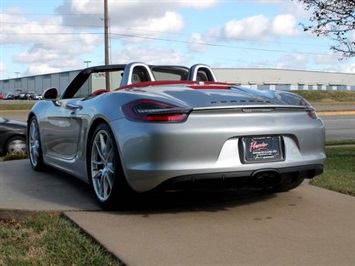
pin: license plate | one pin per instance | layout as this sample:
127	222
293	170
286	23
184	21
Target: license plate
262	149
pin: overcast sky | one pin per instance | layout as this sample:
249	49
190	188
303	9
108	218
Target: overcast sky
46	36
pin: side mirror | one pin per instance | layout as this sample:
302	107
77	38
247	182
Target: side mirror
50	94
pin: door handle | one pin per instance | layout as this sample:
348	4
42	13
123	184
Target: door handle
73	107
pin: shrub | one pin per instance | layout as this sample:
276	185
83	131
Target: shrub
15	156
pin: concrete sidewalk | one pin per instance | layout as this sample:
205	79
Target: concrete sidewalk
23	188
306	226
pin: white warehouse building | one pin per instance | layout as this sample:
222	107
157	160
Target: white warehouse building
282	79
257	78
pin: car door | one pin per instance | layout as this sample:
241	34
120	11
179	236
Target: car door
61	132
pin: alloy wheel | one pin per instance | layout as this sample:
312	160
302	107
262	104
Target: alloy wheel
34	143
102	165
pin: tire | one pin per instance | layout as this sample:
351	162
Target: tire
16	144
34	145
105	170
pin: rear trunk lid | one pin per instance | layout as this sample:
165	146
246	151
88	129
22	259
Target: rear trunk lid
216	96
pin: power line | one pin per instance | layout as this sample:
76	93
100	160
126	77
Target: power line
49	24
216	45
221	38
51	14
177	41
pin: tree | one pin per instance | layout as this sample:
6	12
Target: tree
335	19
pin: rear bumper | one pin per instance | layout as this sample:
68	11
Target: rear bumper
207	147
240	179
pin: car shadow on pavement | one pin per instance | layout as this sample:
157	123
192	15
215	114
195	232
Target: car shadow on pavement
24	188
192	201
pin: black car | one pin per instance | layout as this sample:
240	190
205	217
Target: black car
12	136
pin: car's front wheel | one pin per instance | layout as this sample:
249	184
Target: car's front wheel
105	170
34	145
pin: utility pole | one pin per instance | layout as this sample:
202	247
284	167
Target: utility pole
87	63
107	56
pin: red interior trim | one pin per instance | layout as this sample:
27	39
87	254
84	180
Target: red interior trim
212	85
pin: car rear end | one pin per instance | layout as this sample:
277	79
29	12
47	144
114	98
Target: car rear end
230	142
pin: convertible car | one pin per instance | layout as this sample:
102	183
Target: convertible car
134	128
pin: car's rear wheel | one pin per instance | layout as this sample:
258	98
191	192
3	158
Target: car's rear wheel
16	144
105	170
34	145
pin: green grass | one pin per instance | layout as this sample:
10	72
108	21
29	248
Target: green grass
14	156
339	172
48	239
4	106
340	142
327	96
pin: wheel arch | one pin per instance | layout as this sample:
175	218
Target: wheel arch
30	115
15	135
92	128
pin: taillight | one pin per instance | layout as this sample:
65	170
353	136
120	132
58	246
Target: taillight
309	110
312	114
154	111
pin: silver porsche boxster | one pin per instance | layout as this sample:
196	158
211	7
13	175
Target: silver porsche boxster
133	128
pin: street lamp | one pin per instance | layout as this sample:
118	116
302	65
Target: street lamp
16	81
87	63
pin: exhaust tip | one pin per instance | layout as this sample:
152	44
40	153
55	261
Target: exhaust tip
265	179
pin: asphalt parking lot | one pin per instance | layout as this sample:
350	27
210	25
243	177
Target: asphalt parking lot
306	226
